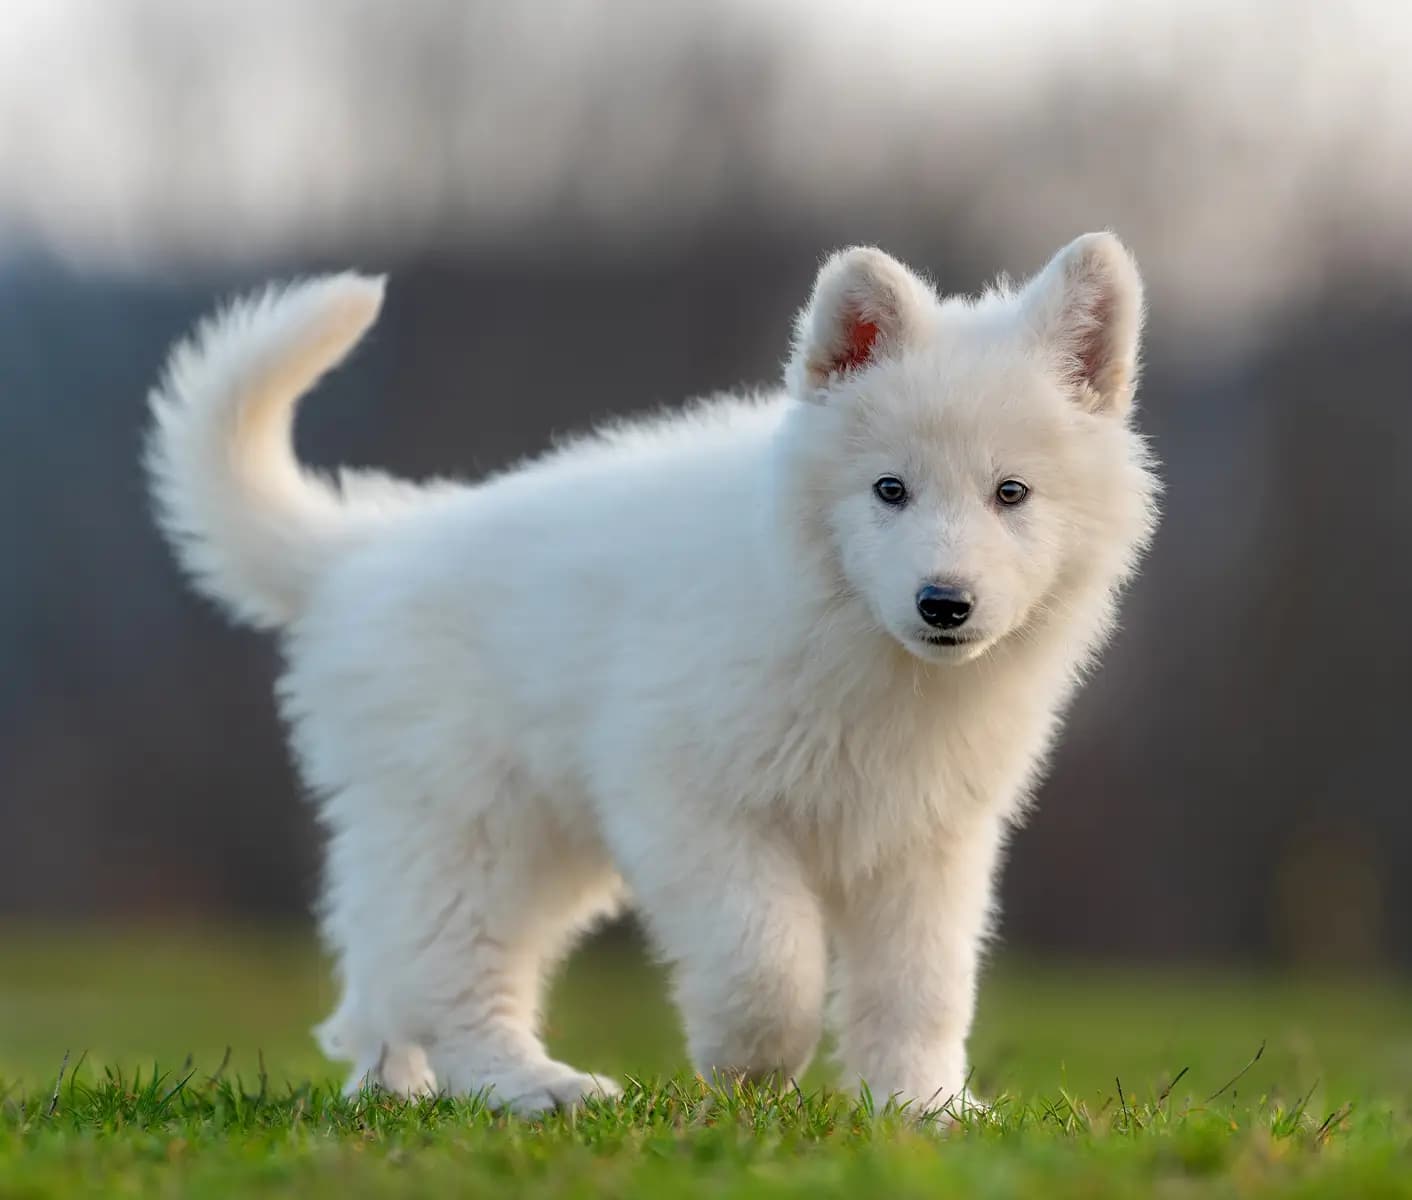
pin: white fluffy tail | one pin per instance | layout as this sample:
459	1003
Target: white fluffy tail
252	528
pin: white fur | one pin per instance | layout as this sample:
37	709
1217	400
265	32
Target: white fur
682	656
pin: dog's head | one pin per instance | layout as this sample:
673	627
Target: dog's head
970	464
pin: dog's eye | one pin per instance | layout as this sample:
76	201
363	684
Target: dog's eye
1012	491
890	490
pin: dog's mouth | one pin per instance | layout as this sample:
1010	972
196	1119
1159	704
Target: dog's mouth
943	639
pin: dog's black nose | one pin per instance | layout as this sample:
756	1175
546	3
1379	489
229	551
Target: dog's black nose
944	607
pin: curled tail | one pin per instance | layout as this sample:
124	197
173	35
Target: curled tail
252	528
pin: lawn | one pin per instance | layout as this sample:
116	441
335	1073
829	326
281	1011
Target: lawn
1107	1082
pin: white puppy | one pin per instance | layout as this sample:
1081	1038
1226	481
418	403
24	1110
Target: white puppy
784	668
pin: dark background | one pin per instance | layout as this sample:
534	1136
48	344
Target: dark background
589	209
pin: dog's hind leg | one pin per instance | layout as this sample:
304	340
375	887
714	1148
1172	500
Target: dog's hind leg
446	930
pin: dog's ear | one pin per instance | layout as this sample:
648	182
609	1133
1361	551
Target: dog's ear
866	306
1086	309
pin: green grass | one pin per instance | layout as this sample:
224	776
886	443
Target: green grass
1106	1082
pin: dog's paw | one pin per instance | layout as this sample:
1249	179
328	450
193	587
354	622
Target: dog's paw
553	1087
949	1111
408	1073
942	1108
400	1069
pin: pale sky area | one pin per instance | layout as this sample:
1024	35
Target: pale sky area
1255	145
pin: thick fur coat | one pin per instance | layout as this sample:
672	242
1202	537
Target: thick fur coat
782	669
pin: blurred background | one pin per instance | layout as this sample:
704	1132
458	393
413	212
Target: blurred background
593	208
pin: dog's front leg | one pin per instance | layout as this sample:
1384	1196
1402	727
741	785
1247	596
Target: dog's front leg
729	906
909	941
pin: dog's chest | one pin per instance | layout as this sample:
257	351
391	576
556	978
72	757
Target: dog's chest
863	784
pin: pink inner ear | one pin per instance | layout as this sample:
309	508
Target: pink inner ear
862	336
1093	353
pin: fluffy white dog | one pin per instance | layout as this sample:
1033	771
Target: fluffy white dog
783	668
